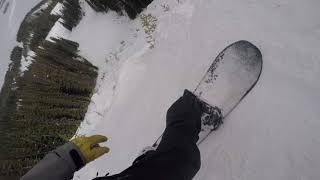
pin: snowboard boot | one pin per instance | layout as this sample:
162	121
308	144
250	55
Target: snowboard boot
211	118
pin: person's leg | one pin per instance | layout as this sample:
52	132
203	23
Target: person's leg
183	124
177	156
183	121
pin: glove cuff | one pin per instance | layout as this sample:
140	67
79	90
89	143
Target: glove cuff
71	154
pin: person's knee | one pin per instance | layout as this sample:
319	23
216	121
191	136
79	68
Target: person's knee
185	109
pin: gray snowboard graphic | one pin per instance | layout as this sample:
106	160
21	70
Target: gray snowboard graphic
231	76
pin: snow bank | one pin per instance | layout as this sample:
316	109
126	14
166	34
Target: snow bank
272	134
107	45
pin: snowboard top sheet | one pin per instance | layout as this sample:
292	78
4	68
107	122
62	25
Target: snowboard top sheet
231	76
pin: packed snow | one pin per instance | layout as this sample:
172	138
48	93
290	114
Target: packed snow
274	131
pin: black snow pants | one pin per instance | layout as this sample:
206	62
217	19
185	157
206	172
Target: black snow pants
177	156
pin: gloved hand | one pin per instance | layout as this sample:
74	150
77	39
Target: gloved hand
89	146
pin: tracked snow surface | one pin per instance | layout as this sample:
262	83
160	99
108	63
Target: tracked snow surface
274	133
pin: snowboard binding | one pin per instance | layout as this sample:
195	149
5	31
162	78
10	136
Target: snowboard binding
211	120
211	117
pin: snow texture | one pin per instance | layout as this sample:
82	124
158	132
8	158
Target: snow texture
272	134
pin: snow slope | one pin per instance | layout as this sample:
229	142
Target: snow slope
272	134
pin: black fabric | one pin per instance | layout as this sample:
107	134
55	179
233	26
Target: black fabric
76	159
177	156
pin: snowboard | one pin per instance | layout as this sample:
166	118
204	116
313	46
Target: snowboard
231	76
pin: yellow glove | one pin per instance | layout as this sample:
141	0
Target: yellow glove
90	148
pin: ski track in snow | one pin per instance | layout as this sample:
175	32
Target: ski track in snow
272	134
